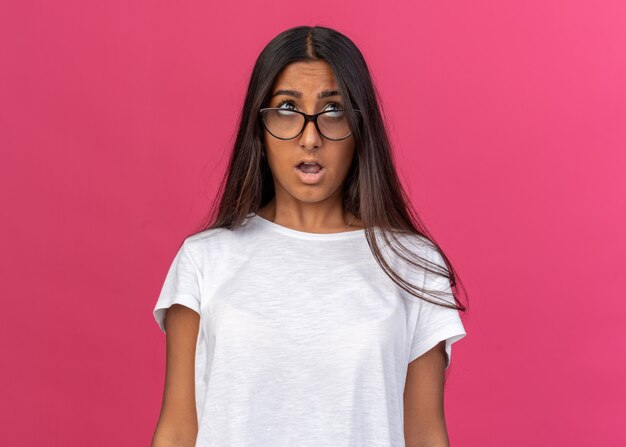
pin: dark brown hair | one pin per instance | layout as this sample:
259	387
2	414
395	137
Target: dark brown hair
372	190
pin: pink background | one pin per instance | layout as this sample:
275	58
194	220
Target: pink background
508	120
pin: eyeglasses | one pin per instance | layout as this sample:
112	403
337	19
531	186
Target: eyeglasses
287	124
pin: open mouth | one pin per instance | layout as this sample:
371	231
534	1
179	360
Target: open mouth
310	173
310	168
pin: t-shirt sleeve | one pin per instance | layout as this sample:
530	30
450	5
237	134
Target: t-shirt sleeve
436	323
181	286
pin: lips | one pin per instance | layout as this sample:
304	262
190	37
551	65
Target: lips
311	174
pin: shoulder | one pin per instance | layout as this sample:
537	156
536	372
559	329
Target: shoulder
207	236
207	244
415	257
412	244
429	254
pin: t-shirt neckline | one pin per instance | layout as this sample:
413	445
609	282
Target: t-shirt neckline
354	234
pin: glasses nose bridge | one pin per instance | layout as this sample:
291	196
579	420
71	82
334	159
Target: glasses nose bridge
313	118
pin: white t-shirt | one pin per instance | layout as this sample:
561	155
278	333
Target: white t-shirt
303	340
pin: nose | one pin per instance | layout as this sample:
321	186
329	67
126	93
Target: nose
310	137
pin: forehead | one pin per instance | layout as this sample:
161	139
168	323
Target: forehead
309	76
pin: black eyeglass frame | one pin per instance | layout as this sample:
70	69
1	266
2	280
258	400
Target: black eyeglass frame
307	118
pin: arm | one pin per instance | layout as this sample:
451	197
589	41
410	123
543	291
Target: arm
424	418
177	424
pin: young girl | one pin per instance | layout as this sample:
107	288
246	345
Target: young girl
312	310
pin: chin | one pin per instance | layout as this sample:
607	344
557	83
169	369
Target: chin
309	194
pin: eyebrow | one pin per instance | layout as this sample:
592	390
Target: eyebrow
297	94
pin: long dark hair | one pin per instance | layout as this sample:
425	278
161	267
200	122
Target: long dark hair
372	191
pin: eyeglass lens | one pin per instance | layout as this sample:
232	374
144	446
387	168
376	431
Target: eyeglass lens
288	124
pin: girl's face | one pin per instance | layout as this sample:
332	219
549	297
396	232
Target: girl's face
310	88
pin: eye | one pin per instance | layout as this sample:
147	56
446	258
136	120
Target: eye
285	102
334	109
334	105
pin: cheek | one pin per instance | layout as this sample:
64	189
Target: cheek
278	162
346	155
